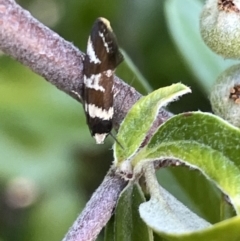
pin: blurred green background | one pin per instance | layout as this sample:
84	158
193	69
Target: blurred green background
49	164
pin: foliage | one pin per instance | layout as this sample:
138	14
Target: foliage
198	140
43	135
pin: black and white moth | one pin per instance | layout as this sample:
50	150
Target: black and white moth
100	62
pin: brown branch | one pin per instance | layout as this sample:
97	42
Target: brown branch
36	46
98	210
31	43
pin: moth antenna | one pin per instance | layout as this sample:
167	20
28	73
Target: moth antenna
115	139
133	79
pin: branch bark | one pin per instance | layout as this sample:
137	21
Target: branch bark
98	210
36	46
31	43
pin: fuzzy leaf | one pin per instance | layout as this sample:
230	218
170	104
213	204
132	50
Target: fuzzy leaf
128	224
140	118
172	220
168	215
204	142
109	230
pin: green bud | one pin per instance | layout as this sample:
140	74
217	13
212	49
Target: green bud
220	27
225	95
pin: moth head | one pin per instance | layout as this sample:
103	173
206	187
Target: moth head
105	22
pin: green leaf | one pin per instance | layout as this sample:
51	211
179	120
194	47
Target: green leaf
128	224
202	141
173	221
184	28
109	230
140	118
167	215
185	185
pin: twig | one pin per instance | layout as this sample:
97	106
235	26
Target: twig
98	210
31	43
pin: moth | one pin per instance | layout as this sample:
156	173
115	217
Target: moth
101	59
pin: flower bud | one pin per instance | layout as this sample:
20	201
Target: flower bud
220	27
225	95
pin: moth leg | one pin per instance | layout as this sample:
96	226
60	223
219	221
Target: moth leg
79	97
